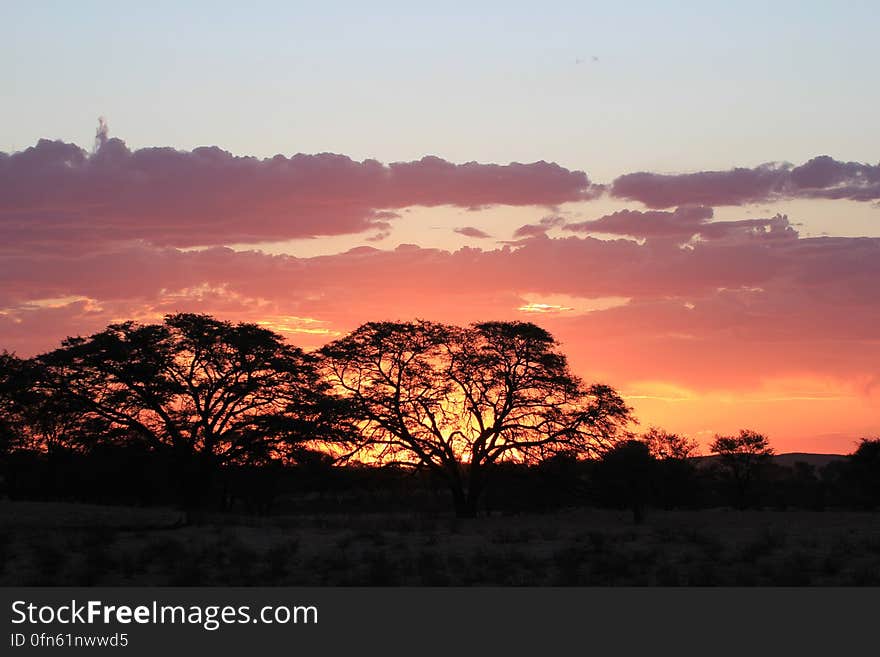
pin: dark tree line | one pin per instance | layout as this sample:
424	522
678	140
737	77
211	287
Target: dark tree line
200	412
207	396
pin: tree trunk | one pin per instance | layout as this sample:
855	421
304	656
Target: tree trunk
196	484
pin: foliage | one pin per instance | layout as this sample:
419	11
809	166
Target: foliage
743	458
626	476
193	383
458	400
31	417
864	471
664	445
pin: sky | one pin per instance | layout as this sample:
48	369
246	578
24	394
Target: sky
686	194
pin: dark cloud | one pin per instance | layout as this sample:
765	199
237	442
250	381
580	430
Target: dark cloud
825	177
537	230
682	224
821	177
54	195
684	221
470	231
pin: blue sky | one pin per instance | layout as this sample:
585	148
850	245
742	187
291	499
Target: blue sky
677	86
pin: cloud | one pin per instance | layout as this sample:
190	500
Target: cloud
56	196
470	231
542	308
794	288
675	297
718	318
540	229
682	225
683	221
821	177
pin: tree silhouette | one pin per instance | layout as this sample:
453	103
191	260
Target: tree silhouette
626	476
742	459
664	445
14	399
675	477
459	400
31	418
205	391
864	467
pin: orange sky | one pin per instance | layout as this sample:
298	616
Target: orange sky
714	300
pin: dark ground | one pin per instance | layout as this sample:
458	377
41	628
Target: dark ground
78	544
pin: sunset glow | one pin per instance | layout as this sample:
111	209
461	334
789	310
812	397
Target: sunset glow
716	265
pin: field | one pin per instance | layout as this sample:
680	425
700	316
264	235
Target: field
77	544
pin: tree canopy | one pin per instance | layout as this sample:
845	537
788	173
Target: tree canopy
743	458
457	400
192	383
206	393
664	445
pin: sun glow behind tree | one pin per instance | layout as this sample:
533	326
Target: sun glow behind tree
458	400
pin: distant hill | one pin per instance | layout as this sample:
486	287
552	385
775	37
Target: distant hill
787	460
817	460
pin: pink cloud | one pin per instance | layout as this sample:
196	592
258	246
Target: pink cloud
697	303
724	315
821	177
683	224
539	229
795	287
55	196
470	231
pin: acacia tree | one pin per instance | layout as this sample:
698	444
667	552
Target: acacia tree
459	400
743	458
205	391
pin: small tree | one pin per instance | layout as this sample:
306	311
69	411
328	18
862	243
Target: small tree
676	481
742	459
864	467
625	475
664	445
459	400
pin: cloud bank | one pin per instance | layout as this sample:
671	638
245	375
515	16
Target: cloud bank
54	194
675	304
682	225
821	177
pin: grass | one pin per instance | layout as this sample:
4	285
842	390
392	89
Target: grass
71	544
